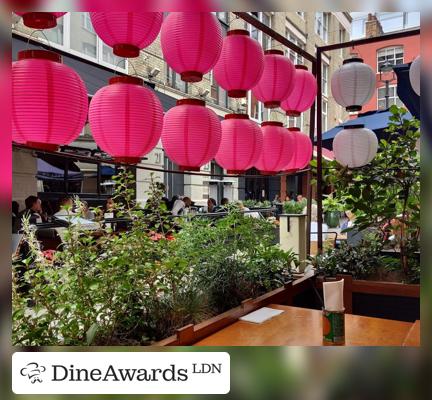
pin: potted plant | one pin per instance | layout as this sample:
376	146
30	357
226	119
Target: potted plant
332	209
294	207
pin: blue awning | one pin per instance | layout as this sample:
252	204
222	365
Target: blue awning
374	120
405	91
107	170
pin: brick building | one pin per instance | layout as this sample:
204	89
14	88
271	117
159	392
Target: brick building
385	54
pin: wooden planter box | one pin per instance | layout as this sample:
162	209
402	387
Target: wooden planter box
193	333
392	292
390	300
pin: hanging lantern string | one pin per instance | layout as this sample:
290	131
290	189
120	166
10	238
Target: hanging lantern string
32	34
116	72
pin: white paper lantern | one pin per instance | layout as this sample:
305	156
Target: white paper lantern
414	75
353	84
355	146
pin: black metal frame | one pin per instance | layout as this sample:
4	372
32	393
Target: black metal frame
320	51
315	122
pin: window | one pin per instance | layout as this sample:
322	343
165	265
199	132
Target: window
86	22
295	122
219	95
223	17
325	78
322	20
256	109
110	58
324	114
56	35
293	56
342	39
392	97
173	79
74	33
257	34
390	55
266	40
83	40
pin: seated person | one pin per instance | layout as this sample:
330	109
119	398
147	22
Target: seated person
181	206
65	207
86	212
223	206
211	205
33	210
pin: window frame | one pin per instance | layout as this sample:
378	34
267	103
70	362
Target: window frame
324	114
322	20
325	78
66	46
171	79
291	54
392	99
386	50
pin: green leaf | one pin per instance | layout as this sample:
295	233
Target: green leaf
91	332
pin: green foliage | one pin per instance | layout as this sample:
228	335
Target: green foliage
234	257
385	194
361	261
257	204
137	286
294	207
332	203
365	260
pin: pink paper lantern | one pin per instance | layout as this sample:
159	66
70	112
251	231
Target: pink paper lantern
126	119
277	79
40	20
241	144
49	102
127	32
191	134
240	64
301	150
303	94
191	43
277	148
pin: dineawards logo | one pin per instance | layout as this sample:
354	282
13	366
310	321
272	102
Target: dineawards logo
33	371
121	373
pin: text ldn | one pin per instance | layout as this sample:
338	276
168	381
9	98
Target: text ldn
204	368
72	374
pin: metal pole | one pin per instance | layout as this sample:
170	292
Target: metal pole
312	116
250	19
387	94
98	179
319	148
375	39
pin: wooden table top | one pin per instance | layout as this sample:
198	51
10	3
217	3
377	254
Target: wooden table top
413	337
303	327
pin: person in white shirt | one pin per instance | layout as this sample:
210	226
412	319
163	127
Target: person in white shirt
181	206
314	224
66	205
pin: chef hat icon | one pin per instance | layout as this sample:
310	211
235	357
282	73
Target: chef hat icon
32	371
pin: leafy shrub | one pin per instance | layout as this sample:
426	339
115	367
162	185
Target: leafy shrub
233	257
361	261
364	260
138	286
294	207
257	204
384	195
